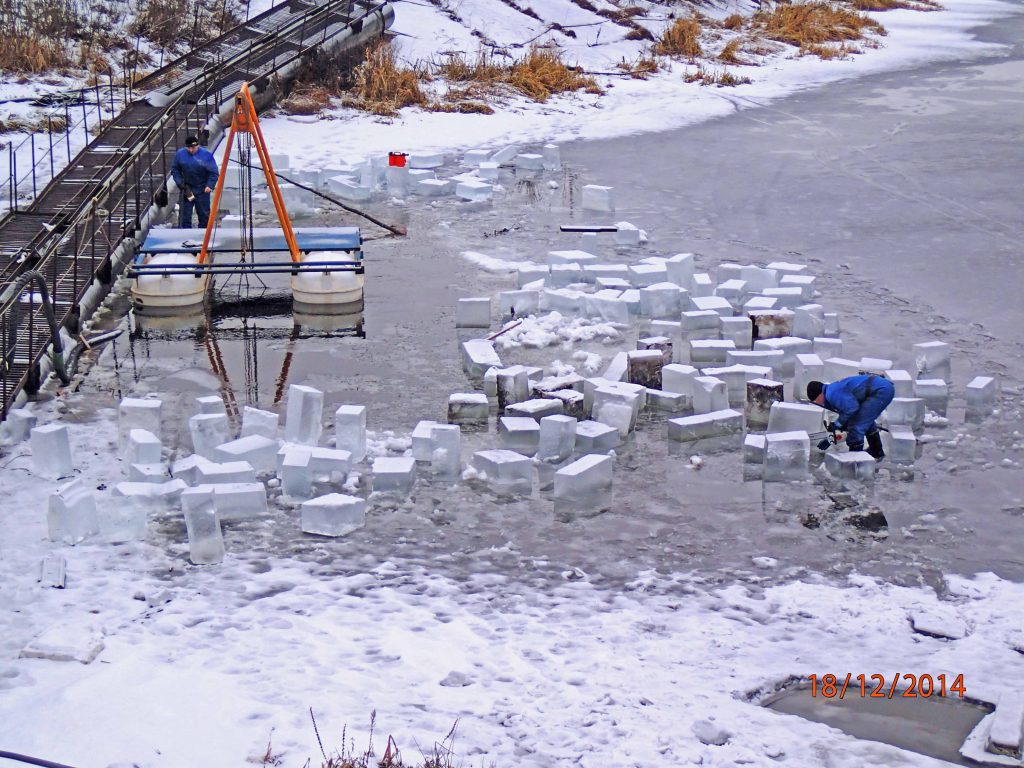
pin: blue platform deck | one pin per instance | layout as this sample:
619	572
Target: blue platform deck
265	240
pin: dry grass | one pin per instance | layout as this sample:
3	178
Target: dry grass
681	39
382	86
22	53
730	54
718	77
306	100
541	73
807	24
441	756
459	68
15	124
644	66
733	21
828	52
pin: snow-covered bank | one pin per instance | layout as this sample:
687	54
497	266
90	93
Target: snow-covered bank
629	106
206	666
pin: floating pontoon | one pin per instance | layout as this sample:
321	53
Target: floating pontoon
173	268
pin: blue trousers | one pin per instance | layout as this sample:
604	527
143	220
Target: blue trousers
202	206
882	393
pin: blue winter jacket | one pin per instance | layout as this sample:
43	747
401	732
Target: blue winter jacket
858	400
198	171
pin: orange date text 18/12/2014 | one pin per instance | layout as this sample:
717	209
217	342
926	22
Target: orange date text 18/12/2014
900	685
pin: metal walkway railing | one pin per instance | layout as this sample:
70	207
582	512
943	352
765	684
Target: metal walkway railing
97	204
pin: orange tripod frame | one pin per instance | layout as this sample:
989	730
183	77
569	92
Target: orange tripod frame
244	120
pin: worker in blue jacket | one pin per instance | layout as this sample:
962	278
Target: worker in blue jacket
858	400
195	172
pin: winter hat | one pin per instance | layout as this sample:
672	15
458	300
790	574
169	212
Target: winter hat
814	388
191	141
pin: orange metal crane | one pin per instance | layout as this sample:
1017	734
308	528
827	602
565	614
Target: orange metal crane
245	121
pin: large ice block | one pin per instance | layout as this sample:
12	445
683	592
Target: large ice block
394	473
513	386
736	378
335	514
804	282
537	408
477	356
738	330
714	424
137	413
608	306
837	368
519	433
187	469
792	417
474	190
210	404
753	448
51	451
557	438
709	394
852	465
934	392
787	298
758	279
296	473
902	445
17	426
585	477
208	430
71	513
763	358
786	456
643	367
239	501
791	346
595	437
422	443
304	416
679	378
710	350
618	406
659	300
505	469
473	313
147	473
902	382
446	458
931	360
809	321
680	269
807	368
259	451
716	304
257	422
229	472
826	347
468	408
771	323
981	393
734	291
907	412
350	430
205	540
761	396
518	303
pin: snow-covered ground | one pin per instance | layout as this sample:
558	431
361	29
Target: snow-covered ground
628	106
207	666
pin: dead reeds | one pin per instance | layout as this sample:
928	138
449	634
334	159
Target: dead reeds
382	86
541	73
810	24
718	77
730	54
24	53
682	39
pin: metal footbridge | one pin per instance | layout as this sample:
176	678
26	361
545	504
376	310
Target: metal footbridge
89	219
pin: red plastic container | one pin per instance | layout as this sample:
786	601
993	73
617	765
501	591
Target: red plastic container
397	159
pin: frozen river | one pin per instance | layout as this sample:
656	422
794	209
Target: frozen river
901	192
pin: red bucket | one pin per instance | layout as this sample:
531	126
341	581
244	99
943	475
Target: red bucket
397	159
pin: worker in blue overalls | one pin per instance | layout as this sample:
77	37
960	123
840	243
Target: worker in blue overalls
858	400
195	172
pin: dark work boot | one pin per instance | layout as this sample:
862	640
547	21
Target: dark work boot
874	438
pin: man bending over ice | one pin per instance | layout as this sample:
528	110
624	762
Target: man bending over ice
858	400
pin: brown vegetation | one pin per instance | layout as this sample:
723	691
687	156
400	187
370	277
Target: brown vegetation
541	73
719	77
807	24
730	54
21	53
644	66
383	86
733	21
681	39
